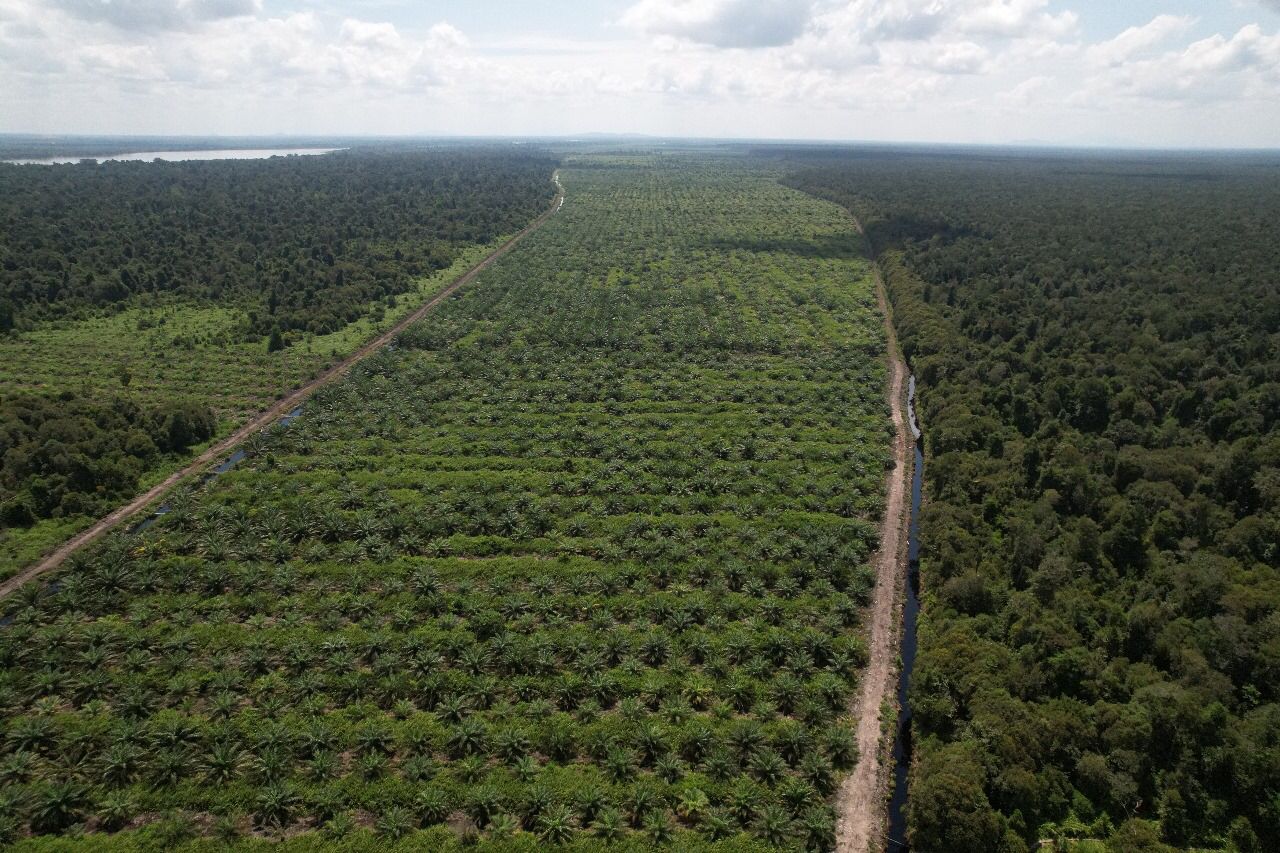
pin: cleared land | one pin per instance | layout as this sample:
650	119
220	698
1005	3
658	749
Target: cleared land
861	800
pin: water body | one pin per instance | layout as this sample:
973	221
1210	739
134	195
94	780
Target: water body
226	465
180	156
910	612
221	468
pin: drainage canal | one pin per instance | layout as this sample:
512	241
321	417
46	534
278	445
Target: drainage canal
911	610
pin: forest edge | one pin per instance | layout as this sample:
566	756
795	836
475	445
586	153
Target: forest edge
863	795
281	408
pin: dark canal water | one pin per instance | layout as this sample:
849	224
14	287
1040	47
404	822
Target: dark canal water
902	743
223	467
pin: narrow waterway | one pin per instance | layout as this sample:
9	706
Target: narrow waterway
221	468
902	743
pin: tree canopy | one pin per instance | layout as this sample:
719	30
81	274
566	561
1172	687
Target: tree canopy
1097	342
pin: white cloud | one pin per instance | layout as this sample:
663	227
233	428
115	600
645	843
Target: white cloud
131	63
1136	40
145	15
445	36
1014	19
967	70
242	57
376	37
925	20
723	23
943	57
1026	93
943	37
1244	66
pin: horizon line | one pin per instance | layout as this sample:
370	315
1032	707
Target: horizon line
596	136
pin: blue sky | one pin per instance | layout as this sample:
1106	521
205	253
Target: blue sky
1123	72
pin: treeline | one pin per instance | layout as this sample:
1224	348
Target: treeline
1098	349
68	455
306	243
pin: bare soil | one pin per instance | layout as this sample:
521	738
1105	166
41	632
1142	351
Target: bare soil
860	802
282	407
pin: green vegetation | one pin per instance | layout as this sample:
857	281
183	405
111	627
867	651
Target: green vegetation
306	243
580	560
212	287
1098	347
94	448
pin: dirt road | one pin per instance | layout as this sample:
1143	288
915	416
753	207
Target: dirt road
860	802
271	415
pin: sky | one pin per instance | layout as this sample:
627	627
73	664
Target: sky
1136	73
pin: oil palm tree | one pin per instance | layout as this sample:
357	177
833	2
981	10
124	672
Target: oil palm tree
657	828
669	769
526	769
589	802
56	806
775	826
555	826
767	766
620	765
643	800
608	825
482	805
31	734
816	770
792	741
841	746
744	800
224	763
18	767
453	708
374	738
818	829
651	742
468	738
115	810
394	823
275	804
432	806
471	770
323	765
693	804
717	825
168	766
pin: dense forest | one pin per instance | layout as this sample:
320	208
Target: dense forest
71	455
580	561
1097	341
307	242
101	265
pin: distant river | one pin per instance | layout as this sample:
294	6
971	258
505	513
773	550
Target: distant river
176	156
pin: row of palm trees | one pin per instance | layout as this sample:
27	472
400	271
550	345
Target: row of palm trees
718	808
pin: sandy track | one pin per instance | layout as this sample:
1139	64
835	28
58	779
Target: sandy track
861	800
282	407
